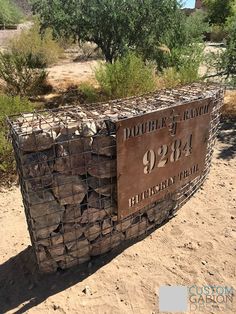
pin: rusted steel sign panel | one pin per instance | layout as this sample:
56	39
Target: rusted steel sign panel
160	151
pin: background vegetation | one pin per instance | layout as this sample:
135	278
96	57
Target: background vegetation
9	12
9	106
127	76
42	46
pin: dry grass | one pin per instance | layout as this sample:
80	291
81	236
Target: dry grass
229	108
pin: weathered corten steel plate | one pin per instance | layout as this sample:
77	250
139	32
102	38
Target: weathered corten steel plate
160	151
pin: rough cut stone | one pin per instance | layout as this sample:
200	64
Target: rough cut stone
95	201
88	128
72	144
107	226
36	141
91	215
38	164
71	234
48	266
92	232
124	225
44	242
43	203
69	189
106	243
44	233
56	238
160	212
48	220
106	187
104	145
79	248
137	229
38	169
56	250
74	164
70	128
102	167
110	206
72	214
41	252
73	154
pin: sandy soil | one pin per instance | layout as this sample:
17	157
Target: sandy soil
7	35
68	73
197	247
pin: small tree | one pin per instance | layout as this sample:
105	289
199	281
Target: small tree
21	75
114	25
219	10
229	57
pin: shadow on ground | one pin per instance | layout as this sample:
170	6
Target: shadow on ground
22	284
227	135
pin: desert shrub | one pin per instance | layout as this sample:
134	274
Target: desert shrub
223	63
218	33
89	92
219	11
41	46
229	56
90	50
196	25
186	69
190	59
127	76
9	12
9	106
21	75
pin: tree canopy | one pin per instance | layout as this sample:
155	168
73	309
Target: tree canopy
115	25
219	10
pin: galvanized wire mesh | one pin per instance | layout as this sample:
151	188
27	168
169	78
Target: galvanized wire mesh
66	160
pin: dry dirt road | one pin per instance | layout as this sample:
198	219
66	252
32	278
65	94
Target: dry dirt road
197	247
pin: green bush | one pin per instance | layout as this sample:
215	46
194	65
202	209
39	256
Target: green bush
42	46
196	26
9	106
9	13
229	56
186	70
218	33
21	75
223	63
89	92
127	76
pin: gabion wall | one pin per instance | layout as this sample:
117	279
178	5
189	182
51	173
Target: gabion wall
66	160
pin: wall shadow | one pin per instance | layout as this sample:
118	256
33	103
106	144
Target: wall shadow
227	135
20	281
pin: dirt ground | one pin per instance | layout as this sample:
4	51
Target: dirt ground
68	73
197	247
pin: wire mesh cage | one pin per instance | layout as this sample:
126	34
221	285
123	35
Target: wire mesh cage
67	166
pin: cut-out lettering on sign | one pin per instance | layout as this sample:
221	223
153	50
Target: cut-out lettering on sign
159	152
